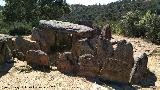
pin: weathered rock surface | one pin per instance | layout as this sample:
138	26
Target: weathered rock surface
88	66
6	47
106	32
19	55
22	45
37	57
124	52
120	63
97	57
59	33
66	62
140	68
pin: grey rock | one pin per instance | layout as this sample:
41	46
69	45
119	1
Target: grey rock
6	47
37	57
22	45
140	68
59	33
106	32
90	54
66	63
124	52
88	66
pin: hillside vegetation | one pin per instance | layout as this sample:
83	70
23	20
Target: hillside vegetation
1	7
133	18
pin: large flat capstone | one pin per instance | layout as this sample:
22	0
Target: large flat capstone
64	26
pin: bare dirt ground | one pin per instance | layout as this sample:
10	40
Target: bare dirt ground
20	76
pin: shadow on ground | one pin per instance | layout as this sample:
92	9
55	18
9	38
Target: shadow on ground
4	68
112	84
41	68
147	82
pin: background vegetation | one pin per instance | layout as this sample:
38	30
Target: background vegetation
19	16
133	18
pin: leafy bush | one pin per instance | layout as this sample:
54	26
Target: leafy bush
4	31
17	28
146	26
151	23
4	27
1	17
130	23
116	27
20	29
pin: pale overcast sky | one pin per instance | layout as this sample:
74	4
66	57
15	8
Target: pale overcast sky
2	2
90	2
85	2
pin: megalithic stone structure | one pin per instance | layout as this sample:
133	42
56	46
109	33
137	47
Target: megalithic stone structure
77	49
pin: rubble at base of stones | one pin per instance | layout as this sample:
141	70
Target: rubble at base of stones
77	49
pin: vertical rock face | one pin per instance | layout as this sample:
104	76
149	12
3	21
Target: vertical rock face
56	33
37	57
124	52
45	39
88	66
140	68
23	45
66	62
97	57
118	66
5	48
106	32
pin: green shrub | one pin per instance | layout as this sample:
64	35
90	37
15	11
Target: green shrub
116	27
130	24
4	27
20	29
16	28
146	26
1	17
151	23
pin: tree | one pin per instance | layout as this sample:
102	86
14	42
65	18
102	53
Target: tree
130	23
34	10
156	6
14	10
1	8
151	23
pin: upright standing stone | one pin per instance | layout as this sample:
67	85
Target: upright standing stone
6	47
37	57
